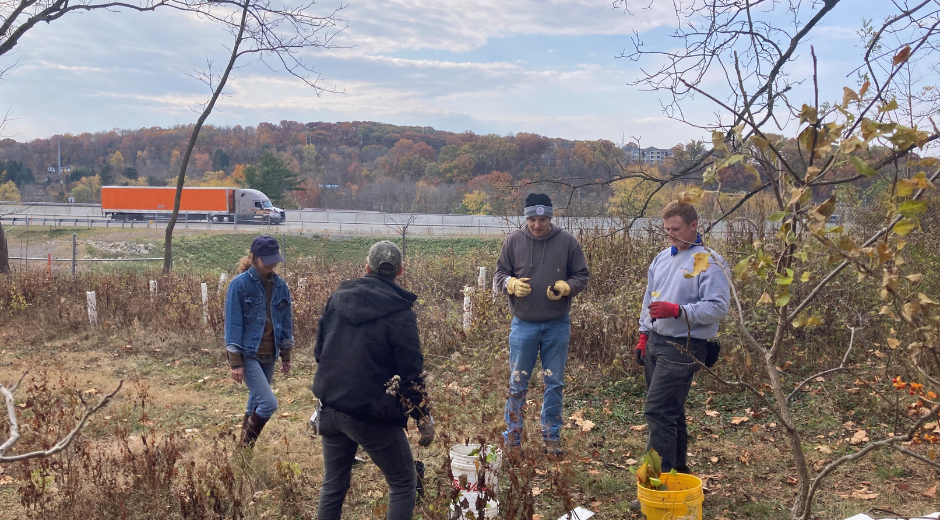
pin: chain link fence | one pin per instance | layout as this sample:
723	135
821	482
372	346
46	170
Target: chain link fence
101	249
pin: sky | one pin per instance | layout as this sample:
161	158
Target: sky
487	66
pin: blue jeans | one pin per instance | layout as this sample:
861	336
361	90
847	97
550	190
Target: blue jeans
529	340
387	446
258	376
669	374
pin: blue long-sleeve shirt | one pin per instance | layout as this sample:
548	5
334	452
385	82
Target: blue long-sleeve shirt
705	298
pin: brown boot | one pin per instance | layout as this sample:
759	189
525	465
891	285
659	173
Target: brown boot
252	430
553	448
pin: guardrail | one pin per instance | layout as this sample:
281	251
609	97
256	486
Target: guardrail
89	221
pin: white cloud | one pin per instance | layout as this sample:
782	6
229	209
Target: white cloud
383	26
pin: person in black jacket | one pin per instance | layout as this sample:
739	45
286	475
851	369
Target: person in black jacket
369	381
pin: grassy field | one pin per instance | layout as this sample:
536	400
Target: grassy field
165	448
188	404
201	251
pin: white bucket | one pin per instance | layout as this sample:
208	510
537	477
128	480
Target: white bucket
470	512
465	461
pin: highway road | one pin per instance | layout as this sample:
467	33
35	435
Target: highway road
307	221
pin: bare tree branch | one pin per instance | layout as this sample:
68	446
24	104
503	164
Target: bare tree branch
62	444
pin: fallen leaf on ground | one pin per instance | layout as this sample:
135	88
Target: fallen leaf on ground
738	420
638	428
584	424
536	491
864	495
714	460
824	449
859	437
931	493
712	413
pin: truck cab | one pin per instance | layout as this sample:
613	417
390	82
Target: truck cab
255	205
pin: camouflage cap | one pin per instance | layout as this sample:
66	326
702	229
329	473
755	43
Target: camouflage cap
385	258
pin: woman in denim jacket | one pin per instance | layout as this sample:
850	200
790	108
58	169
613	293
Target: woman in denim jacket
258	328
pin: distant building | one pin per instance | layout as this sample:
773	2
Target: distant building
647	155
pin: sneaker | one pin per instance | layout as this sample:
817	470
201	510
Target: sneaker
635	505
553	448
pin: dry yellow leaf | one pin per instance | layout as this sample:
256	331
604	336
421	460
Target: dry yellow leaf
699	265
859	437
765	299
738	420
691	195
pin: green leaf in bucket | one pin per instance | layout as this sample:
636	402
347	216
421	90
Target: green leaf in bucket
656	462
491	456
474	452
656	482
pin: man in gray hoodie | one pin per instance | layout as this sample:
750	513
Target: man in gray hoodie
677	302
541	267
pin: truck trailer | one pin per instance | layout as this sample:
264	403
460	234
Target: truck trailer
214	204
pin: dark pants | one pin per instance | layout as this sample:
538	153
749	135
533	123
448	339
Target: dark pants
669	375
388	448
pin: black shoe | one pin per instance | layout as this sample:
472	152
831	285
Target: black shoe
635	505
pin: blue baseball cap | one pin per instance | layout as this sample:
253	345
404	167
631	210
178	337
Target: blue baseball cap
266	248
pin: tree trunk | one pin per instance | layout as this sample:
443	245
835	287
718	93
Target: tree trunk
180	180
4	254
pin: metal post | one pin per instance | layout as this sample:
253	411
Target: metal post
74	251
404	242
186	220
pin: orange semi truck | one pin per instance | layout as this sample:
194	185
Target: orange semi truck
215	204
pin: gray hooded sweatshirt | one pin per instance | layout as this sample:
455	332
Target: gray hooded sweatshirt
556	256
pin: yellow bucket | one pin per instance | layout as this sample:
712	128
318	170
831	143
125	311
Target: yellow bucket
681	500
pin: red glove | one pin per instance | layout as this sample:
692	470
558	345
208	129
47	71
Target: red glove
639	353
663	310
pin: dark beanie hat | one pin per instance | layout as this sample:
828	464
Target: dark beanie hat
538	204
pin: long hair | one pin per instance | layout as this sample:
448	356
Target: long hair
245	262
